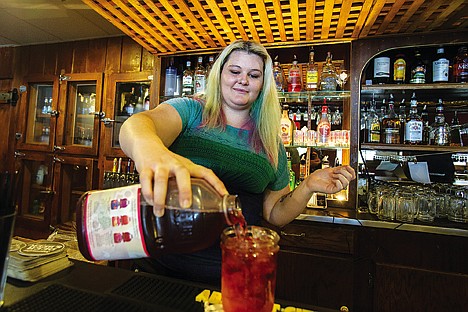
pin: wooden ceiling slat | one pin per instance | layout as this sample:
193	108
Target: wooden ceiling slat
327	17
143	26
248	19
432	7
237	22
366	7
295	20
343	19
454	6
310	20
182	23
372	16
213	30
279	19
408	15
262	13
396	7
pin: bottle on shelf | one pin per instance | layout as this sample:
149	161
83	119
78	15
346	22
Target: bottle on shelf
440	67
402	117
440	130
278	74
312	72
418	70
187	80
336	120
286	127
399	69
324	126
209	65
381	69
455	134
414	124
426	125
329	77
362	122
460	65
171	73
391	124
200	76
373	123
294	77
292	174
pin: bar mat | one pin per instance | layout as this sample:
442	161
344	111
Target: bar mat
173	296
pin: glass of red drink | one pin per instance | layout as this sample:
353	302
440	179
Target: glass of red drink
248	277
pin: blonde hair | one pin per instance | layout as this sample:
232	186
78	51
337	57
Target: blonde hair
265	111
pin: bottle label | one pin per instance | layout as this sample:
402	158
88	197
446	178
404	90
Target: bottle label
112	224
286	132
440	70
382	67
200	83
399	70
312	79
414	131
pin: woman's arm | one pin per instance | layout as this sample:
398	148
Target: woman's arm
145	137
282	207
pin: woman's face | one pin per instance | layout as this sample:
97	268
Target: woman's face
241	80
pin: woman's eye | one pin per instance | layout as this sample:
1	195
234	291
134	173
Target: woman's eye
255	76
235	72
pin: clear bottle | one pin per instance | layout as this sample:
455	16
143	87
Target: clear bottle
187	80
324	127
414	124
391	125
311	73
399	69
171	73
329	77
381	69
460	65
440	67
455	135
440	130
209	65
373	124
402	117
278	74
200	76
362	122
418	70
117	223
294	77
426	125
286	127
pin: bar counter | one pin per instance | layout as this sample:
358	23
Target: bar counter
92	287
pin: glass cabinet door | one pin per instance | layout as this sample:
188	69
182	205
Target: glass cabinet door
78	122
38	126
126	94
35	201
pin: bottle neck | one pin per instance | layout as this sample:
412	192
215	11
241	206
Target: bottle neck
232	210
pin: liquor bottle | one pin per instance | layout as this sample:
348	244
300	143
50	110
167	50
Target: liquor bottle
381	69
402	117
440	67
278	74
312	73
178	230
399	69
373	124
440	130
455	134
336	120
426	125
328	78
362	123
209	65
171	73
294	78
286	127
391	124
187	80
298	118
200	76
460	65
414	124
292	174
323	127
418	70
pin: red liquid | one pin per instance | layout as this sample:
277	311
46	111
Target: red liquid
248	277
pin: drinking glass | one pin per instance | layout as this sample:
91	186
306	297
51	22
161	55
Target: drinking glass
248	272
426	206
457	210
386	204
405	207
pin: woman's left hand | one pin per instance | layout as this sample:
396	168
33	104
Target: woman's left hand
330	180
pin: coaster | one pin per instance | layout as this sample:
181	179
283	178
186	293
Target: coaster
43	248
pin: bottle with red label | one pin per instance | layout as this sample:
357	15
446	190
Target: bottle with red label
116	224
324	126
294	77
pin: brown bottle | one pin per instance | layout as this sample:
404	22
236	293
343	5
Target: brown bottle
118	224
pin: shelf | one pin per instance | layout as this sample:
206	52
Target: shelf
422	86
414	148
313	95
321	147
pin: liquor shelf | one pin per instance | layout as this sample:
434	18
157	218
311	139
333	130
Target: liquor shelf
412	148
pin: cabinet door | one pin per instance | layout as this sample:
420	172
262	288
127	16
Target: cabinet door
125	94
72	178
78	120
38	110
37	194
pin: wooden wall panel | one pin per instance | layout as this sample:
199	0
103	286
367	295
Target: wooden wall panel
114	52
131	56
37	54
64	57
96	58
147	60
80	55
50	60
6	67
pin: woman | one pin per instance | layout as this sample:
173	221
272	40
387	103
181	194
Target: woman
230	137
